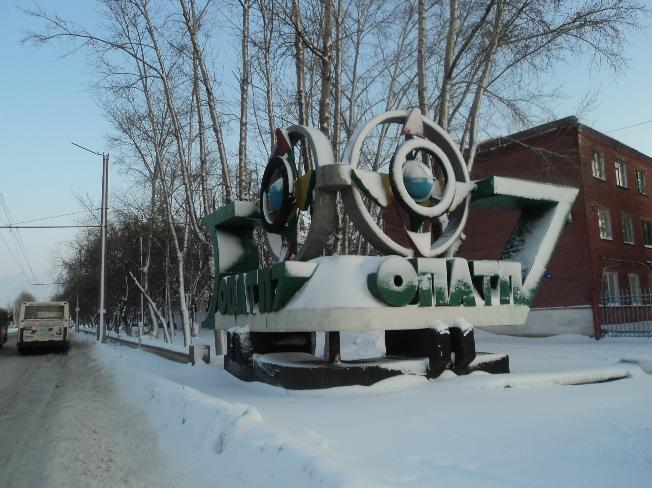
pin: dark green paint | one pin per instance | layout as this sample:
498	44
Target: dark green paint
238	220
395	288
251	283
270	288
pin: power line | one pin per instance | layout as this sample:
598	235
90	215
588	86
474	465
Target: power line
50	226
630	126
53	217
20	246
16	261
17	237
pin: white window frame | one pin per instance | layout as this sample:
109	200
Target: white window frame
612	290
621	176
597	165
627	224
634	283
641	181
605	228
646	234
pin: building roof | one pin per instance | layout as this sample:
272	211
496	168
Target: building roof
538	130
571	121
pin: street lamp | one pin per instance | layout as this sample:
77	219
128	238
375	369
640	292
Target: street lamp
101	330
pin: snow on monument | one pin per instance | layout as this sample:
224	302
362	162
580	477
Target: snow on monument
425	300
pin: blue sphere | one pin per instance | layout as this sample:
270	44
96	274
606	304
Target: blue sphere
275	194
418	180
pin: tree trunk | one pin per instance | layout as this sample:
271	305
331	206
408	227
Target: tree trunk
153	308
177	130
299	64
210	97
207	205
243	187
337	88
422	84
268	29
326	68
446	84
482	85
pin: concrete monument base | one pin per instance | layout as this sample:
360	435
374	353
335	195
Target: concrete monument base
288	359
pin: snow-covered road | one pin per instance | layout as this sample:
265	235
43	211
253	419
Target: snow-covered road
62	425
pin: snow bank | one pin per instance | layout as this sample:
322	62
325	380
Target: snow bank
569	378
230	440
522	429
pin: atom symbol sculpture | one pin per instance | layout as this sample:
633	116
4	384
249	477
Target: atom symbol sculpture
427	179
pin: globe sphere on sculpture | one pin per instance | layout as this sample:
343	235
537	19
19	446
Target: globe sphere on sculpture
418	180
275	194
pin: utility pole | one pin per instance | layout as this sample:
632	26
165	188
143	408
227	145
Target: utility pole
78	279
141	326
101	331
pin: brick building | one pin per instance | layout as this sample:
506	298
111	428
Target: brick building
606	248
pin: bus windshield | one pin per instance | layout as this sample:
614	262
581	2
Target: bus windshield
44	312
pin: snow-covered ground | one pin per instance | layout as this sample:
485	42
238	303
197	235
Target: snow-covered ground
525	429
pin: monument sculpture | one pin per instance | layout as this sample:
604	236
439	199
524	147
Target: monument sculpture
424	299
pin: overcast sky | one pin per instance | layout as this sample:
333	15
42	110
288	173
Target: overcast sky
45	105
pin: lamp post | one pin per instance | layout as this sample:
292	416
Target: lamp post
101	330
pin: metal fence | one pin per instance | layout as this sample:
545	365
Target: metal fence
626	314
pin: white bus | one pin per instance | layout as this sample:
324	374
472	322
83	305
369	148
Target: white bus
43	324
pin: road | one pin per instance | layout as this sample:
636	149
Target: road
61	425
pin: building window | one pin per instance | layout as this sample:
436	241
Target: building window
634	288
612	292
621	174
647	233
604	224
628	228
597	165
640	181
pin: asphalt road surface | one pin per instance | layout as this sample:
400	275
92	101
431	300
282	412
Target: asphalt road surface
62	426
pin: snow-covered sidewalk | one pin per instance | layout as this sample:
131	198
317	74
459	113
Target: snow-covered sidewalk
523	429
